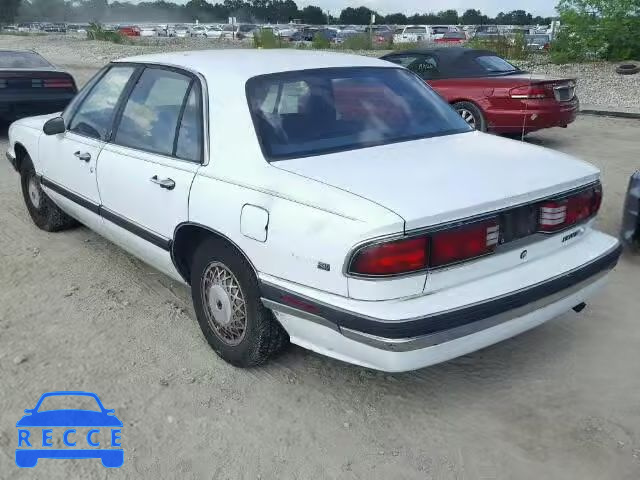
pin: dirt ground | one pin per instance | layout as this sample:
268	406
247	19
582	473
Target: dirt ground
559	402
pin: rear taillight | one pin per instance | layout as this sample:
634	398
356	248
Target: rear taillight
438	249
562	213
530	92
57	83
464	243
391	258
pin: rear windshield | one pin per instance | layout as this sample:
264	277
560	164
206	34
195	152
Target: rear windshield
312	112
495	64
22	60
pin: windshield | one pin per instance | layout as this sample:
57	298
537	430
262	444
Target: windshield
495	64
69	402
22	60
313	112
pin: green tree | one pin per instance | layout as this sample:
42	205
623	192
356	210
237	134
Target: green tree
356	16
396	19
313	15
608	29
471	17
449	17
9	10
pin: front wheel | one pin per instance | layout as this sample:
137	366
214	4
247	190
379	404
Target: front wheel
44	213
471	114
226	298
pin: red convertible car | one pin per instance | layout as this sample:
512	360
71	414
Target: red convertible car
490	93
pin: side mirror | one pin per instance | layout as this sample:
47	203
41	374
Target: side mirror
54	126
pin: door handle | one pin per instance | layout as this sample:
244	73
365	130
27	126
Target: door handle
85	157
167	183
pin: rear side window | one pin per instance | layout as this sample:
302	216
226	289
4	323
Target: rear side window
152	113
22	60
94	116
189	140
424	65
495	64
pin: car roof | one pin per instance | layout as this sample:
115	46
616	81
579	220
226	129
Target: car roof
242	64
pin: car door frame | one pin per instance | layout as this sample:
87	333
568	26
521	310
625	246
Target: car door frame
135	228
75	204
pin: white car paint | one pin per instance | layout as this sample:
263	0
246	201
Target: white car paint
291	217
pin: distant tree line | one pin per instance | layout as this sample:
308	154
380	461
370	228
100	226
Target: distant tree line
272	11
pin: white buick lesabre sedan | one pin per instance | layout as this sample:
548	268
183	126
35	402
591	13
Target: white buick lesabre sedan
331	200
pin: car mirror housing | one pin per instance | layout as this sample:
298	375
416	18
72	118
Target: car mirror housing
54	126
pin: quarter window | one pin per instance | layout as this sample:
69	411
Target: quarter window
152	112
189	141
94	116
424	65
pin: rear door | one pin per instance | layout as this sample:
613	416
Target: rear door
69	159
145	173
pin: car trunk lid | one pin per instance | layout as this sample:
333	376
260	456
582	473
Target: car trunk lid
442	179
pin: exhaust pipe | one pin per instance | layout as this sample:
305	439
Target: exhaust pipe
578	308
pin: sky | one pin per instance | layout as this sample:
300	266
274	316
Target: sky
543	8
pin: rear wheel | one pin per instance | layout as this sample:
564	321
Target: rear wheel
226	298
44	213
471	114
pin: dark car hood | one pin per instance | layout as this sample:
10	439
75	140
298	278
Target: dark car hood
69	418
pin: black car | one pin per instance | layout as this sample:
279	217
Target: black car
631	216
30	85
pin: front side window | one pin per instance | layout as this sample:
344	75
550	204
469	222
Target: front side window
94	116
152	112
313	112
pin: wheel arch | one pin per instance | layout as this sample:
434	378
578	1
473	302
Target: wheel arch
187	236
21	153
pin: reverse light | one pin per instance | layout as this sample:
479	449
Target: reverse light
562	213
530	92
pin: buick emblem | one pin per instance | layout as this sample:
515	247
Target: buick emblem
523	255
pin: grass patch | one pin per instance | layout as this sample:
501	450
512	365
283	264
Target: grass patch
265	38
514	49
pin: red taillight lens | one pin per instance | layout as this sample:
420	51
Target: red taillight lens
464	243
58	83
391	258
530	92
559	214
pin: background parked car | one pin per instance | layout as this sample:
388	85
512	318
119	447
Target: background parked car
129	31
412	34
490	93
148	31
538	42
452	38
380	33
30	85
631	216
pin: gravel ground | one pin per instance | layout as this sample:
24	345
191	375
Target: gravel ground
76	312
599	85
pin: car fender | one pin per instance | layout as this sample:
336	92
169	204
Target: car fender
24	138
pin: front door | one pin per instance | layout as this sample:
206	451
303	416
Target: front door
145	173
69	174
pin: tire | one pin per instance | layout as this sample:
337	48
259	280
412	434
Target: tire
627	69
472	114
44	213
220	279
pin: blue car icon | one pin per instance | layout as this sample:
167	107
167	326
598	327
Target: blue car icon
28	451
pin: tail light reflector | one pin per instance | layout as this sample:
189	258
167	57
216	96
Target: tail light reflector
435	250
464	243
391	258
530	92
58	83
559	214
